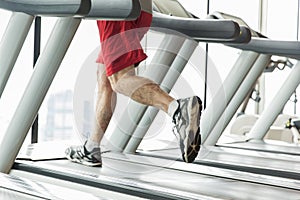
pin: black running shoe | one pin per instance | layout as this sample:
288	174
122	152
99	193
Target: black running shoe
187	127
80	154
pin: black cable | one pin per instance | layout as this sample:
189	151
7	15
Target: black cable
206	63
36	54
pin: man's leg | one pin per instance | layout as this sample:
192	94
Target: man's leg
184	112
89	154
106	102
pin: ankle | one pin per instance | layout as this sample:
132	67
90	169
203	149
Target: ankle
90	144
172	108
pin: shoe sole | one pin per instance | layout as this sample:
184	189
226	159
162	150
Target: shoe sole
193	149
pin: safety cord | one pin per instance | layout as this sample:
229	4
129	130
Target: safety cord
295	100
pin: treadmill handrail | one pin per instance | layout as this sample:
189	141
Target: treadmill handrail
199	29
113	9
101	9
274	47
244	37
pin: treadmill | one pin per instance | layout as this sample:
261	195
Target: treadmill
146	176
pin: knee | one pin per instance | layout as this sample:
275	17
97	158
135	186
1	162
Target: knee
114	82
118	80
103	82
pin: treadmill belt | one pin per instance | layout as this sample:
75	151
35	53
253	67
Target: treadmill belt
159	178
277	165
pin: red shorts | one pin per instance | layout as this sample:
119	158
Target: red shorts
120	42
